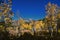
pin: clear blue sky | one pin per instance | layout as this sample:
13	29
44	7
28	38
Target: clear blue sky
34	9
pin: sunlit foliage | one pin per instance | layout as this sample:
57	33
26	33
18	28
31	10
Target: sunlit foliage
49	24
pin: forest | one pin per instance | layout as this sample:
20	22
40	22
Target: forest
45	29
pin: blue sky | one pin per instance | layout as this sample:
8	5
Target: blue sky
34	9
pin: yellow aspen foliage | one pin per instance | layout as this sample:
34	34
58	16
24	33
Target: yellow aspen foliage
58	15
29	26
7	20
21	21
53	17
52	9
37	25
42	24
49	4
0	13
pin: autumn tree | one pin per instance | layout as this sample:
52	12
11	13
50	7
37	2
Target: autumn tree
51	18
58	19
